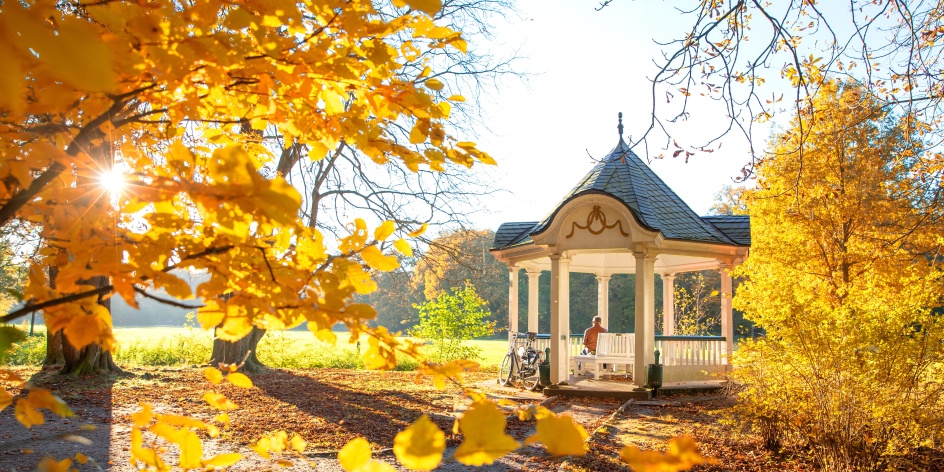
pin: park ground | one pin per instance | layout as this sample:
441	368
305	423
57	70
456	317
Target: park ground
329	406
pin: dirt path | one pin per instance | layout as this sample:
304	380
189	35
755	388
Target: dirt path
327	407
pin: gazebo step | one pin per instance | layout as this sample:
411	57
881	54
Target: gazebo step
603	392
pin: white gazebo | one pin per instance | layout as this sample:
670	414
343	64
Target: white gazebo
622	219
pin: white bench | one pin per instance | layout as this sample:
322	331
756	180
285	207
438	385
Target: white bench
613	349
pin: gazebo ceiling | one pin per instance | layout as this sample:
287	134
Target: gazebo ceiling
623	263
642	211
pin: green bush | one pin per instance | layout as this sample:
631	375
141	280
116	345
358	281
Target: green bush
451	318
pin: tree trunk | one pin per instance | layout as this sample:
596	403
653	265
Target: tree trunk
54	349
91	359
239	352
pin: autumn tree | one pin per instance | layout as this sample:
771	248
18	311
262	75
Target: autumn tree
844	275
394	299
697	303
347	181
92	97
461	255
730	200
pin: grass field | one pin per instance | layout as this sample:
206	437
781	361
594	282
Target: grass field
156	346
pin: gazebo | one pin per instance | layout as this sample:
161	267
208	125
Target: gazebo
621	218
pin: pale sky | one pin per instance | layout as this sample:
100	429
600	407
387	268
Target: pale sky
588	66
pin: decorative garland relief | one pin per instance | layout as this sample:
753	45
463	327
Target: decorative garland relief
596	216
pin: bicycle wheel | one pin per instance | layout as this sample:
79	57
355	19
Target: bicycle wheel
531	382
504	373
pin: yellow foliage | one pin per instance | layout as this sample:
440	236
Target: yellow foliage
443	372
681	454
298	444
421	446
484	437
560	434
239	380
219	401
355	456
844	276
27	409
213	375
222	460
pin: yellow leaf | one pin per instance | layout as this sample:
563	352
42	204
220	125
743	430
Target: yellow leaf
219	401
239	380
81	330
222	418
27	414
377	260
12	96
384	230
456	98
561	435
421	446
404	247
223	460
420	231
418	133
147	455
430	7
81	458
213	375
143	417
72	49
354	454
681	454
209	319
5	399
484	437
284	463
298	444
191	449
378	355
434	84
48	464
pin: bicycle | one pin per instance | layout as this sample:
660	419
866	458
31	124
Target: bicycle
521	362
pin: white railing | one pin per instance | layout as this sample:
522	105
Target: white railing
692	350
543	341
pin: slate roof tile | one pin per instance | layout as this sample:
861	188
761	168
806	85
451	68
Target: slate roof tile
624	176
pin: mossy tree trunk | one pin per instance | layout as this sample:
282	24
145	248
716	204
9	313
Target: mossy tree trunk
241	352
91	359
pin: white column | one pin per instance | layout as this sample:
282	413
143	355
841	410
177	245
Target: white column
533	278
668	304
727	311
512	300
645	316
560	314
603	299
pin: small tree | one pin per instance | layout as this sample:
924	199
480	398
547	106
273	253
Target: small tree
452	317
697	306
844	275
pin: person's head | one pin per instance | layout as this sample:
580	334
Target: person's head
597	320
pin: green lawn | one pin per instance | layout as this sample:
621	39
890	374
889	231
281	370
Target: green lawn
155	346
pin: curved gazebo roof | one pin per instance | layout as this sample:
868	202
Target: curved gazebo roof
623	176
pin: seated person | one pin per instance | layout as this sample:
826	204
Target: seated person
590	336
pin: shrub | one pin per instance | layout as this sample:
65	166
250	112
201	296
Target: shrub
451	318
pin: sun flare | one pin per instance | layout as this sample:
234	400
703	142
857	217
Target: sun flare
112	180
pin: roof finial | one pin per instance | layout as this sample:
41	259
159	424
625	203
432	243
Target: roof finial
620	126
